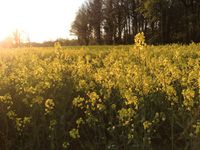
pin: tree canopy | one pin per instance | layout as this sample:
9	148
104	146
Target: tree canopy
118	21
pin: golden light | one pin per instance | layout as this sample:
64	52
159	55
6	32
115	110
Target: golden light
41	19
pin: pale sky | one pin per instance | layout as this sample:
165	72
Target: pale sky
42	19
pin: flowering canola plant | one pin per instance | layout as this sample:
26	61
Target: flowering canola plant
143	97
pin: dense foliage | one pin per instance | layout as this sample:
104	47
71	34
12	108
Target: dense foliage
118	21
137	97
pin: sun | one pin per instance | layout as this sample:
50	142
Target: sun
8	21
42	20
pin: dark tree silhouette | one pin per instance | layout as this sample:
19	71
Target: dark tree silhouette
118	21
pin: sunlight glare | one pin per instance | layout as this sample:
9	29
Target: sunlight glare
40	19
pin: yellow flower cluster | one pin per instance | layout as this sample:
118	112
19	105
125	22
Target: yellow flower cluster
49	105
140	40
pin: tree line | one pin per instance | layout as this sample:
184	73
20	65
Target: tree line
16	40
118	21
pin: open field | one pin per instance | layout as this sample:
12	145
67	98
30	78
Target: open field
109	98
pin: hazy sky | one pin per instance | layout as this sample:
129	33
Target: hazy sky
41	19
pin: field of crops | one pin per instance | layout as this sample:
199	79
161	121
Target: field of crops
100	98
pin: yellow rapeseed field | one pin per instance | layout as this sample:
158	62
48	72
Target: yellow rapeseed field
109	98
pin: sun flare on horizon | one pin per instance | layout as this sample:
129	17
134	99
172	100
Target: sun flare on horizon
40	20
